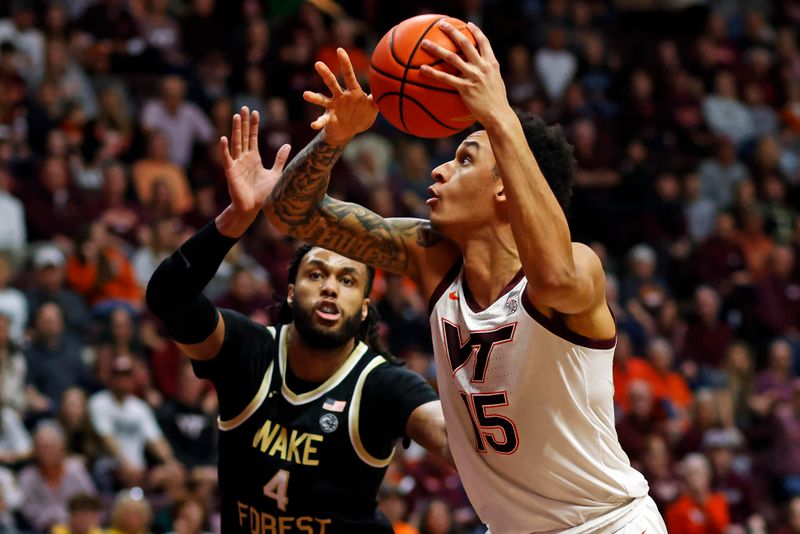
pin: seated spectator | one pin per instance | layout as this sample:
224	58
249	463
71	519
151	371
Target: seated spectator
85	512
157	168
49	286
739	371
627	369
755	243
791	523
127	425
10	501
777	306
643	284
54	360
656	466
162	238
707	413
725	114
698	510
54	207
189	517
131	513
776	381
555	64
81	439
13	370
437	518
101	273
720	174
671	386
643	419
187	425
48	485
707	338
248	294
785	450
719	261
721	446
182	123
392	502
112	206
12	301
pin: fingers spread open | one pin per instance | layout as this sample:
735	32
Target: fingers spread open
281	157
245	128
227	161
441	52
236	136
317	98
254	120
321	121
484	47
328	78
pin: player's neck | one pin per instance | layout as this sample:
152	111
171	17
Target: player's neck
489	265
312	364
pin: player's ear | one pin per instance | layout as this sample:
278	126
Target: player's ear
364	309
290	294
500	192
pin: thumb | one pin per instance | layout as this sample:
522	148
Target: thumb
281	157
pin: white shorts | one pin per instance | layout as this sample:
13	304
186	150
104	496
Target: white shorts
647	521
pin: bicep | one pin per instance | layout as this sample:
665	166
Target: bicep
426	426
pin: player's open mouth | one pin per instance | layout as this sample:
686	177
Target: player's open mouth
434	197
328	311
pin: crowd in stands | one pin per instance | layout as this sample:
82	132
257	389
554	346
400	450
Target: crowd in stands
686	130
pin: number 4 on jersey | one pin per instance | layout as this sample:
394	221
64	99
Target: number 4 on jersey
277	487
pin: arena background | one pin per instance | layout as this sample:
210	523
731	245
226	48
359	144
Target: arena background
685	118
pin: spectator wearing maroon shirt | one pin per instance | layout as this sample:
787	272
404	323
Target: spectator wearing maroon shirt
707	339
643	419
55	207
777	307
719	260
657	468
785	450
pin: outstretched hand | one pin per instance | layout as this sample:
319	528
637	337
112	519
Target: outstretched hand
249	182
479	83
349	110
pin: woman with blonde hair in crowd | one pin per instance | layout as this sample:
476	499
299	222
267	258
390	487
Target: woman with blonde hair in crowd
131	513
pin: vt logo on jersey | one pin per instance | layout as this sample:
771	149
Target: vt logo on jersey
492	430
478	343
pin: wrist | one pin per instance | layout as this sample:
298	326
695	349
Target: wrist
333	140
233	223
499	120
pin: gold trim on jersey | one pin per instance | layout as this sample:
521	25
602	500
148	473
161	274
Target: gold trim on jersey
329	384
254	405
353	417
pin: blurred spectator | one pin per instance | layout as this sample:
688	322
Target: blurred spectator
777	306
201	32
739	376
181	122
79	434
791	525
629	368
127	425
21	30
555	64
73	83
101	272
671	386
12	301
15	442
162	239
719	260
404	313
10	501
699	212
343	34
437	518
55	207
49	484
189	517
111	204
707	338
84	516
13	369
785	450
725	114
665	486
779	215
644	285
642	420
49	286
392	502
54	360
160	31
247	294
708	412
722	446
187	423
720	174
13	233
156	169
131	513
756	244
698	510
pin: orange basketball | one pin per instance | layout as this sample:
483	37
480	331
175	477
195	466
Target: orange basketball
413	103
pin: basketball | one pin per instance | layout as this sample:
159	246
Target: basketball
413	103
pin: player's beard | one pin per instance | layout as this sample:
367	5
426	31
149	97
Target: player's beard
326	339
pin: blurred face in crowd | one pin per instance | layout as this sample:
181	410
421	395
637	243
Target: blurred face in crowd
780	356
437	518
48	447
54	175
721	459
707	304
725	85
706	412
73	407
84	521
49	322
327	299
203	8
656	455
660	355
131	514
794	514
123	382
739	360
115	182
696	474
782	261
641	398
243	286
122	328
173	91
190	518
726	226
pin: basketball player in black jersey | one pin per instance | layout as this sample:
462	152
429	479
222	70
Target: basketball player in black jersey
310	410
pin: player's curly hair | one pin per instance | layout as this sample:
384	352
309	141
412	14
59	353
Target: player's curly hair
553	154
370	327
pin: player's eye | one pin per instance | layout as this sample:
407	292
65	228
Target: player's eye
315	275
463	160
347	281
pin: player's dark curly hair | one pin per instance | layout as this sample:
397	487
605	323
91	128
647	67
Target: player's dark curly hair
553	154
370	327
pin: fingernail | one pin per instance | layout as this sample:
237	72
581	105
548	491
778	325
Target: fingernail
444	24
426	43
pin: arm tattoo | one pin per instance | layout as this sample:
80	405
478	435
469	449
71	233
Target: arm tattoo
302	186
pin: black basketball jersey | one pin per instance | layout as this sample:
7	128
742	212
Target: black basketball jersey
295	462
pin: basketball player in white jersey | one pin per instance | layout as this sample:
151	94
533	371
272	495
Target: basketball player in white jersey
522	333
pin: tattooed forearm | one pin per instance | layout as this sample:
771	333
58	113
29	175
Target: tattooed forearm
360	234
302	186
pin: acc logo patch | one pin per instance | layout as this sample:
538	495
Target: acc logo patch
328	423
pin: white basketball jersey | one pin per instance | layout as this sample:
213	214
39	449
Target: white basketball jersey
529	414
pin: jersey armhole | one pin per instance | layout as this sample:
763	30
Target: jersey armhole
444	284
353	419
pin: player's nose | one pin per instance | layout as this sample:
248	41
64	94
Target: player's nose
440	174
329	287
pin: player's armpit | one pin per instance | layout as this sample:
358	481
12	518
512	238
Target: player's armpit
426	426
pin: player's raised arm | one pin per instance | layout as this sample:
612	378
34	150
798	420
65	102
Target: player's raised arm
300	207
562	276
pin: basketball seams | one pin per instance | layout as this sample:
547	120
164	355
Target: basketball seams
408	65
421	106
411	82
405	72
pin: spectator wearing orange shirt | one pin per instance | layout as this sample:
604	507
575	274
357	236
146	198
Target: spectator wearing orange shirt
755	243
101	273
670	385
697	510
629	368
157	167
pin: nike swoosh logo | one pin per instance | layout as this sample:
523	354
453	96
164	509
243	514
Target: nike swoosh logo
453	296
185	259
